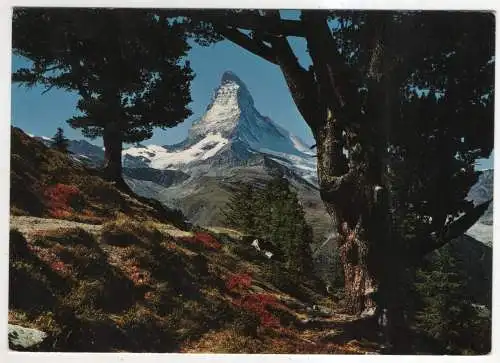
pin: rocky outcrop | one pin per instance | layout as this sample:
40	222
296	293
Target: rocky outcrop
21	338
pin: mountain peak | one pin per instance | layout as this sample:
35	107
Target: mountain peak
232	128
230	100
229	76
234	89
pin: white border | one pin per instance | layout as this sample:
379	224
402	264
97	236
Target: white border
5	68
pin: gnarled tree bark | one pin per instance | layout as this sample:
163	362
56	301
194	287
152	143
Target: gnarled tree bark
354	186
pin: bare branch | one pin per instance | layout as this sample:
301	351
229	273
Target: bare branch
329	66
256	47
453	230
47	89
249	20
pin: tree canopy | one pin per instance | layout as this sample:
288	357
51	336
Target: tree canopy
273	214
126	65
401	106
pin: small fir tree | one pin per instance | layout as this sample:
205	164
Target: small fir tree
60	142
445	311
273	214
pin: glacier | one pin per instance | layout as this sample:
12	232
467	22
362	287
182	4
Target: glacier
231	122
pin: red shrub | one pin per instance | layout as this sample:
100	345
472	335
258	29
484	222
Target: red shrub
207	240
242	281
51	258
204	239
258	304
59	266
139	277
63	199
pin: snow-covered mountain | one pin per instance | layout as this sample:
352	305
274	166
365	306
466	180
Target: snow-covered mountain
231	131
231	143
81	150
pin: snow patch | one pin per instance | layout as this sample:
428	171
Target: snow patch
231	118
159	157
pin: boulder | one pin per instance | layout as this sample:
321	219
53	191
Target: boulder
23	338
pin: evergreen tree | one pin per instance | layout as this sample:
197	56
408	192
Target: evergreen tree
240	212
126	65
362	98
274	214
445	311
59	141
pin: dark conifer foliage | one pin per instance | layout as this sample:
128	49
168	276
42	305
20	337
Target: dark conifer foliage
400	105
274	215
126	65
241	208
59	141
445	311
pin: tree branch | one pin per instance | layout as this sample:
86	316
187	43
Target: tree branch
453	230
47	89
329	66
53	68
256	47
248	20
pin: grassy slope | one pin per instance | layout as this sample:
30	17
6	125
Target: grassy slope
204	199
138	288
143	285
35	169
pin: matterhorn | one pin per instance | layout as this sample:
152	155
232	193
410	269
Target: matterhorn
232	132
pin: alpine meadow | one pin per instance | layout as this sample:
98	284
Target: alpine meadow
154	207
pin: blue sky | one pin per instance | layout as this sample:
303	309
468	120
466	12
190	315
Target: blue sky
41	114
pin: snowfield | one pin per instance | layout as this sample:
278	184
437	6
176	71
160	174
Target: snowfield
232	118
159	157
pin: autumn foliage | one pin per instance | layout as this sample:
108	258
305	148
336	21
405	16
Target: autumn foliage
51	258
203	239
259	304
242	281
63	199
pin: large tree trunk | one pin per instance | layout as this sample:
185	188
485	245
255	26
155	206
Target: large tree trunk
354	189
113	146
356	194
342	193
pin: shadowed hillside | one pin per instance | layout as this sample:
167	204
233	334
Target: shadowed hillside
48	183
97	269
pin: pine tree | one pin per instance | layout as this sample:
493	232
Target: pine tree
274	214
240	211
59	141
361	97
126	65
444	310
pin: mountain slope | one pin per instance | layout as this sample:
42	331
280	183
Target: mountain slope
232	130
231	143
47	183
482	192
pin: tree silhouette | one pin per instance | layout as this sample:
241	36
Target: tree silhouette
386	91
125	65
59	141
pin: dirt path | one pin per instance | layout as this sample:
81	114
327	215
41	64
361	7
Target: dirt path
27	224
